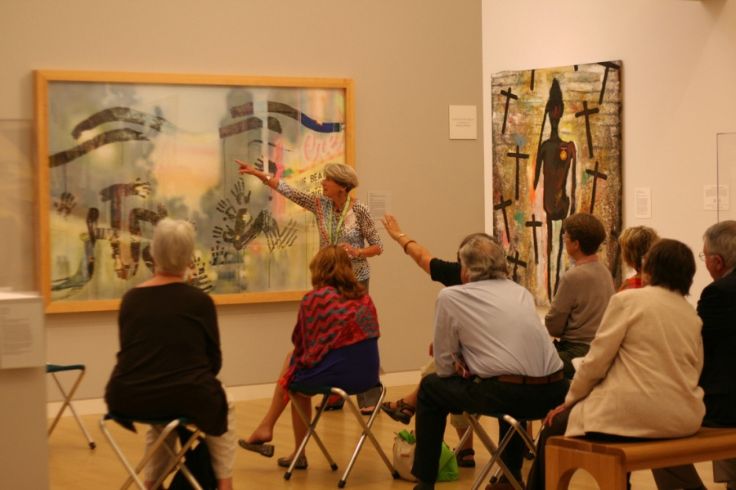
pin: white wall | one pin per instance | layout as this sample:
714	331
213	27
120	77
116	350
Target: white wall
409	60
679	68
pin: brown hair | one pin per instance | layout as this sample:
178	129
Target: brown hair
670	264
332	267
635	243
586	229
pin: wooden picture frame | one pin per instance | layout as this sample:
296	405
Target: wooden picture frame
118	151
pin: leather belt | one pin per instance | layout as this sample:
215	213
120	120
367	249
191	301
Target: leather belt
530	380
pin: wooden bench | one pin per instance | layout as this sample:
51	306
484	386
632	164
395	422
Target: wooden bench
608	463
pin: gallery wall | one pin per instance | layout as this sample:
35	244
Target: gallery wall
678	73
409	61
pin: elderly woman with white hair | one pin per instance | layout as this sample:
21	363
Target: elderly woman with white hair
170	354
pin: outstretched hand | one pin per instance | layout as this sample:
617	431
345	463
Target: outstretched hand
245	168
391	225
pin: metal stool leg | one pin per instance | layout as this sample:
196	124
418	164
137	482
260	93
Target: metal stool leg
366	433
176	461
496	451
311	432
366	426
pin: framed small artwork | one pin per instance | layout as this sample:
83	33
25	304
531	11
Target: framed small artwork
119	151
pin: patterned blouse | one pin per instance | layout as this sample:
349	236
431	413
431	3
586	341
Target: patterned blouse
357	227
327	321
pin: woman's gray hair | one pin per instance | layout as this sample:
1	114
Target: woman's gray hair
483	258
342	174
720	239
172	246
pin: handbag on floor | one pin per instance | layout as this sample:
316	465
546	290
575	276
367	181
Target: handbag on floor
405	444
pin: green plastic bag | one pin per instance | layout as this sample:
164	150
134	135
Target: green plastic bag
404	445
448	465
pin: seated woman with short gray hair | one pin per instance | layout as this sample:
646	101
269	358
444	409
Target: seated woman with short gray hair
170	354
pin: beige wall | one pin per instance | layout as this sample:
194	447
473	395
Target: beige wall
409	59
678	78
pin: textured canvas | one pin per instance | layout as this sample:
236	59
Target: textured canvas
121	156
556	151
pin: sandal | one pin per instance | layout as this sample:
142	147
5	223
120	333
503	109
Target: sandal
367	411
465	458
401	412
257	447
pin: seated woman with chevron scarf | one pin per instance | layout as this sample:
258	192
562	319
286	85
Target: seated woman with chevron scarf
335	345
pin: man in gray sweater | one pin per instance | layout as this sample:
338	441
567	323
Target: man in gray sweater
583	293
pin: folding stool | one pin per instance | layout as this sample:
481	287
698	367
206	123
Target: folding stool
517	427
53	369
295	390
176	461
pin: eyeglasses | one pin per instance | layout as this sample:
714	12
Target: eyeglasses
704	255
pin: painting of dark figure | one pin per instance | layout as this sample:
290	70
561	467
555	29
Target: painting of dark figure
556	151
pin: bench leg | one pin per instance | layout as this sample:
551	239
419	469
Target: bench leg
561	463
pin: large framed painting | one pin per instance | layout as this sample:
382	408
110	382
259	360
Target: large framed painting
119	151
556	151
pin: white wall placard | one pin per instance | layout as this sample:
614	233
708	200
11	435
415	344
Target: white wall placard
21	331
463	122
379	203
643	202
715	198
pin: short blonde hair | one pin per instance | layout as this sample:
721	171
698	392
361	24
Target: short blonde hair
342	174
172	246
635	243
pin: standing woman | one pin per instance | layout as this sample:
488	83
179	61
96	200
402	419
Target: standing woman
341	221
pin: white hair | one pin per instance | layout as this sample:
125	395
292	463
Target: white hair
483	258
721	240
172	246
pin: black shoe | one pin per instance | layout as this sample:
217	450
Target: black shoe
334	402
465	458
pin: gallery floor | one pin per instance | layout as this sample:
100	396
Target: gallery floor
73	466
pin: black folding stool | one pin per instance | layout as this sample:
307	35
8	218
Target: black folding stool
53	369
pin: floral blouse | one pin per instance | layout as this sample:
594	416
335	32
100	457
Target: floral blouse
357	227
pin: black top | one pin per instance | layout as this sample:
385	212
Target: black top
448	273
717	308
169	358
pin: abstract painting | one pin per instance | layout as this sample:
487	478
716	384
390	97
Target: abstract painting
118	151
556	151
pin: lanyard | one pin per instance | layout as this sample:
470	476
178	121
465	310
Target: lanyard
334	236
